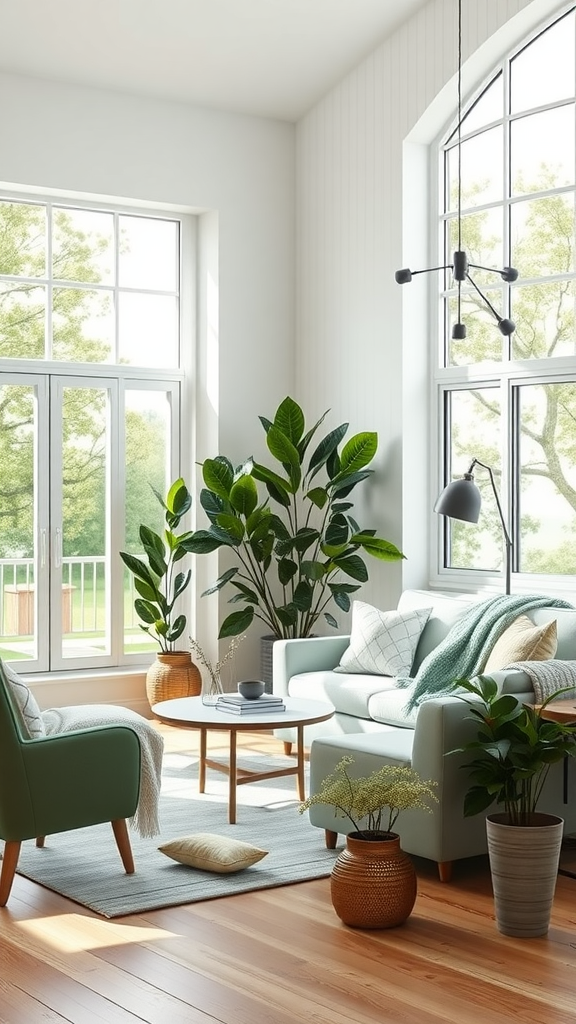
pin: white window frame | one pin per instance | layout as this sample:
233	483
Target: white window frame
178	381
507	375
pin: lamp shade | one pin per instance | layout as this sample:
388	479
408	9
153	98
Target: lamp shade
460	499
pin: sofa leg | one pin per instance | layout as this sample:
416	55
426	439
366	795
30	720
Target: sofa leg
445	870
331	839
287	749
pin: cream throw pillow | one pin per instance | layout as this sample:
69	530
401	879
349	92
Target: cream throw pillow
30	714
523	641
383	643
210	852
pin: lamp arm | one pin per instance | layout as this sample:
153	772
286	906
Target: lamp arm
476	462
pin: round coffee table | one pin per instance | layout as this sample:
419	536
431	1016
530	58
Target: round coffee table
192	713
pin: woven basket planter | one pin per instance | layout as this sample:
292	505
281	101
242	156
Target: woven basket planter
172	675
373	883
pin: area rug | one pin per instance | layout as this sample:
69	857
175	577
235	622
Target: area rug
84	865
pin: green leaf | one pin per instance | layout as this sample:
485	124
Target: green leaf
138	569
220	582
281	447
342	600
212	503
303	596
236	623
358	452
205	541
377	547
345	484
326	448
218	475
244	593
146	611
257	517
305	538
232	526
244	496
313	570
303	445
176	629
318	496
267	476
289	419
145	590
337	531
286	570
330	620
181	582
353	566
287	614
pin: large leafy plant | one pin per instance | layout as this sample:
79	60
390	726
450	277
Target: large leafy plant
158	583
513	750
297	545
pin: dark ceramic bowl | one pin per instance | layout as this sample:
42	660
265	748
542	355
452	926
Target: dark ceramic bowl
251	689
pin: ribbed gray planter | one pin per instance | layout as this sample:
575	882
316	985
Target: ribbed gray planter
266	645
524	866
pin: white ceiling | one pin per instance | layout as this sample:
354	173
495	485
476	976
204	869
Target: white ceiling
273	58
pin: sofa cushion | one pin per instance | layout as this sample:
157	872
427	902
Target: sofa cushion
382	643
523	641
210	852
349	694
389	707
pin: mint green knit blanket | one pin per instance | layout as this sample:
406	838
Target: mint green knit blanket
465	648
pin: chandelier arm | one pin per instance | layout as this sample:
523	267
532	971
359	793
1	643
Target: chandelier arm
484	299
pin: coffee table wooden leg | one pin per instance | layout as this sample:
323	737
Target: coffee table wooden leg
202	765
232	779
300	764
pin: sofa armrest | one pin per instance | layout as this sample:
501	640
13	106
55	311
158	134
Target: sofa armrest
312	654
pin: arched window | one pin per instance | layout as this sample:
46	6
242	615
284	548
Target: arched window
510	402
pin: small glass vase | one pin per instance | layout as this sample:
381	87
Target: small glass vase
212	690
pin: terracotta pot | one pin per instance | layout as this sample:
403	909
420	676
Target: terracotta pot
524	866
172	675
373	883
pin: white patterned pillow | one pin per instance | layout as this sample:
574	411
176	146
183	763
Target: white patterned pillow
30	715
383	643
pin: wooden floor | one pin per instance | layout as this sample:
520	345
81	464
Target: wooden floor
281	956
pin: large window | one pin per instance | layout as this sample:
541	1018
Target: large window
511	402
91	371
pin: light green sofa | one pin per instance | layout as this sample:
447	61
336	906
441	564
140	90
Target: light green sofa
370	724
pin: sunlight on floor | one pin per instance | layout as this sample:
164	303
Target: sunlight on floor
73	933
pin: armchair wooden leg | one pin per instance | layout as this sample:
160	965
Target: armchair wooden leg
123	843
287	749
40	840
445	870
331	839
9	862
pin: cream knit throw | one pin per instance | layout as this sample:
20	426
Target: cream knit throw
84	716
548	676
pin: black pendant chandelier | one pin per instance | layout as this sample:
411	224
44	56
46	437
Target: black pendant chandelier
460	265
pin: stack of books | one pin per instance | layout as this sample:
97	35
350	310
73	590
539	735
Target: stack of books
235	704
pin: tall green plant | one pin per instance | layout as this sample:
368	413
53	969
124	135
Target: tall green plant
513	750
298	547
158	583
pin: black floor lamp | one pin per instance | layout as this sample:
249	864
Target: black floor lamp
461	499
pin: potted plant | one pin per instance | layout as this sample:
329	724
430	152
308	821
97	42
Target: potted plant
512	753
373	882
297	546
159	584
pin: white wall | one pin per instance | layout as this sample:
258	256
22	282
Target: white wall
362	214
238	169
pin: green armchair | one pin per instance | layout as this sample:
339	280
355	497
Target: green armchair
61	782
